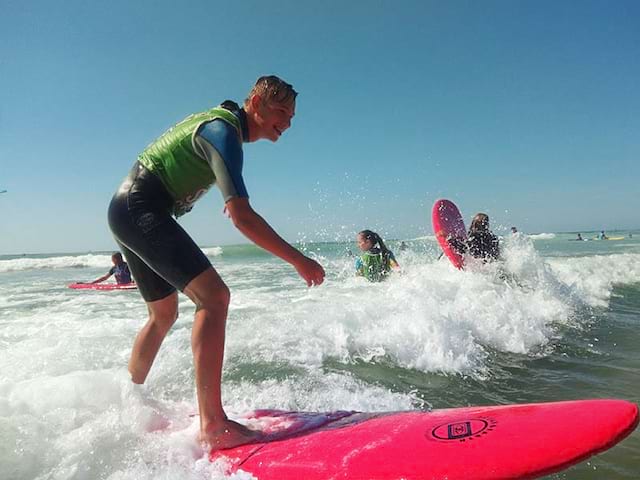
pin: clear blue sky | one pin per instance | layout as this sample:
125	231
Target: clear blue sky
528	111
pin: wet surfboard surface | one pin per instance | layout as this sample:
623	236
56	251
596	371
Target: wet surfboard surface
449	229
512	441
103	286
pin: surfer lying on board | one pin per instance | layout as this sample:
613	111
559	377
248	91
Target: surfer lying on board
481	242
376	261
169	176
120	269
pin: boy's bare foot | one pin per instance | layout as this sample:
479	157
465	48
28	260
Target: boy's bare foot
227	434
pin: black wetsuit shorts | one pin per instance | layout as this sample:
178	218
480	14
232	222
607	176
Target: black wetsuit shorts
161	255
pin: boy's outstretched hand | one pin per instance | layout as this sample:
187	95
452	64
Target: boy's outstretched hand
310	270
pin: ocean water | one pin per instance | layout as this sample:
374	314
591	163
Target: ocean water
558	320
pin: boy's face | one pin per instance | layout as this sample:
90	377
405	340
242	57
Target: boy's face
275	118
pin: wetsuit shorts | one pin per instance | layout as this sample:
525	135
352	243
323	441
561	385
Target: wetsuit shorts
162	257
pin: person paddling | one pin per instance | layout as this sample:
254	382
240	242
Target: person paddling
120	269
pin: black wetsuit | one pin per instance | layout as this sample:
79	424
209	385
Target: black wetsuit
483	244
161	255
479	244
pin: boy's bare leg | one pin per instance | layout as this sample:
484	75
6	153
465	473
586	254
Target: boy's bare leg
162	315
211	296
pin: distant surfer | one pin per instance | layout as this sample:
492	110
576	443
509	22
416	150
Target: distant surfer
514	230
603	236
579	238
120	269
170	175
480	242
376	261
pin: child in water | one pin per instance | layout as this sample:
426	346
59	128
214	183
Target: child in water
120	269
482	243
376	261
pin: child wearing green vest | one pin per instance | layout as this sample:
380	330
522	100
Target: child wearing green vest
376	261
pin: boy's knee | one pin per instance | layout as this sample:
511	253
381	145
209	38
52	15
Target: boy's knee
218	298
164	319
221	296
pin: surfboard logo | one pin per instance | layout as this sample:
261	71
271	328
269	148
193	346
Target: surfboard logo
463	431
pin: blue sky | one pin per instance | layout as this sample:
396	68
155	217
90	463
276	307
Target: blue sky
527	111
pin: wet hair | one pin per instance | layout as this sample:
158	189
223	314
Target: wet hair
375	239
480	223
116	255
272	89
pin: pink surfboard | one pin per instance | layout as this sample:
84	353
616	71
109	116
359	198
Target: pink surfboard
103	286
514	441
449	229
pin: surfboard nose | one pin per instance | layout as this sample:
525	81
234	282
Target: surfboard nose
629	416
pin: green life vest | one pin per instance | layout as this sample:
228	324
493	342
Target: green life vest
173	158
375	266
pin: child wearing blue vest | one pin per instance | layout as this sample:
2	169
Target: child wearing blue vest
120	269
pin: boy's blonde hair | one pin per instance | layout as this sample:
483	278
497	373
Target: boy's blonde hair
272	89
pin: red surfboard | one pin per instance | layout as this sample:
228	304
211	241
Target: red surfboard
449	229
514	441
103	286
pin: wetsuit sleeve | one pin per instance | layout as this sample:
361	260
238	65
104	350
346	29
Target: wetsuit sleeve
358	265
218	144
458	244
392	259
112	270
495	247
